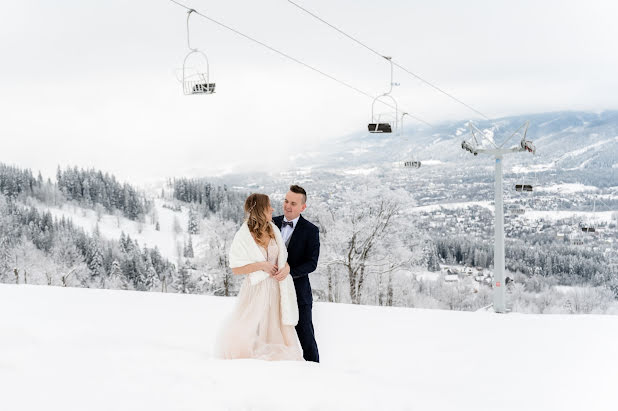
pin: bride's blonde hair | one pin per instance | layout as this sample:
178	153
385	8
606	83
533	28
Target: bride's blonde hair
256	209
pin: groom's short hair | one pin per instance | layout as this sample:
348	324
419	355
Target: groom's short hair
299	190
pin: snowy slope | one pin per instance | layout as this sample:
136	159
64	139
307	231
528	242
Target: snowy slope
111	226
85	349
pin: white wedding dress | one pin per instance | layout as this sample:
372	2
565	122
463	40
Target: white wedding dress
254	329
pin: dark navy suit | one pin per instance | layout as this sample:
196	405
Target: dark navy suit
303	253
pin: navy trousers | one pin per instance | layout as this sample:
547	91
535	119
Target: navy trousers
306	335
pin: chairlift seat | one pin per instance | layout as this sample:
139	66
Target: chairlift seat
380	128
523	187
412	164
468	147
516	209
198	87
528	146
588	229
195	80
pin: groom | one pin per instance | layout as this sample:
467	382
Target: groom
303	242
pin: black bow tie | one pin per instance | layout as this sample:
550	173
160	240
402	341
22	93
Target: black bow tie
290	223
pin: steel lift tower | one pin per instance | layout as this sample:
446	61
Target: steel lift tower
475	147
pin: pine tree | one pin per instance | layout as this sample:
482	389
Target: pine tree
148	275
95	259
5	257
189	249
184	278
433	263
194	222
116	279
115	270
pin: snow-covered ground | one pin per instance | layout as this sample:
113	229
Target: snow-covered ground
554	164
86	349
566	188
554	215
427	275
532	168
450	206
588	216
360	171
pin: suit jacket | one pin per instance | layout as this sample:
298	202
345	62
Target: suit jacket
303	254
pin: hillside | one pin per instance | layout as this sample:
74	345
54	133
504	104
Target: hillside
573	146
76	349
112	226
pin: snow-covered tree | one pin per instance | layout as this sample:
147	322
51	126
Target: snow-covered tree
188	249
194	222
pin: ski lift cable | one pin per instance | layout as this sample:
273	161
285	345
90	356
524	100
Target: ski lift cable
293	59
598	198
474	130
515	132
394	63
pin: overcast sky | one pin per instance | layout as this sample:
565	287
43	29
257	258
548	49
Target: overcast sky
93	84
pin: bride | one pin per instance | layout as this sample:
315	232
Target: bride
261	325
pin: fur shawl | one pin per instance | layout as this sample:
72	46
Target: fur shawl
244	250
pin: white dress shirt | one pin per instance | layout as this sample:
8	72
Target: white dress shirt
286	232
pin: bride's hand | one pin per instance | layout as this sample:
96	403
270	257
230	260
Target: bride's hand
269	268
281	274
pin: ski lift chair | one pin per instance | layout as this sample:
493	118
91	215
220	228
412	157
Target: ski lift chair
375	126
196	80
517	209
527	145
523	187
469	147
380	128
412	164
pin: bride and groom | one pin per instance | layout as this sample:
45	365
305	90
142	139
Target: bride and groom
272	314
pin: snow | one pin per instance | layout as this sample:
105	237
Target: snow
565	289
584	149
427	275
450	206
567	188
532	168
554	164
360	171
85	349
358	151
589	216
